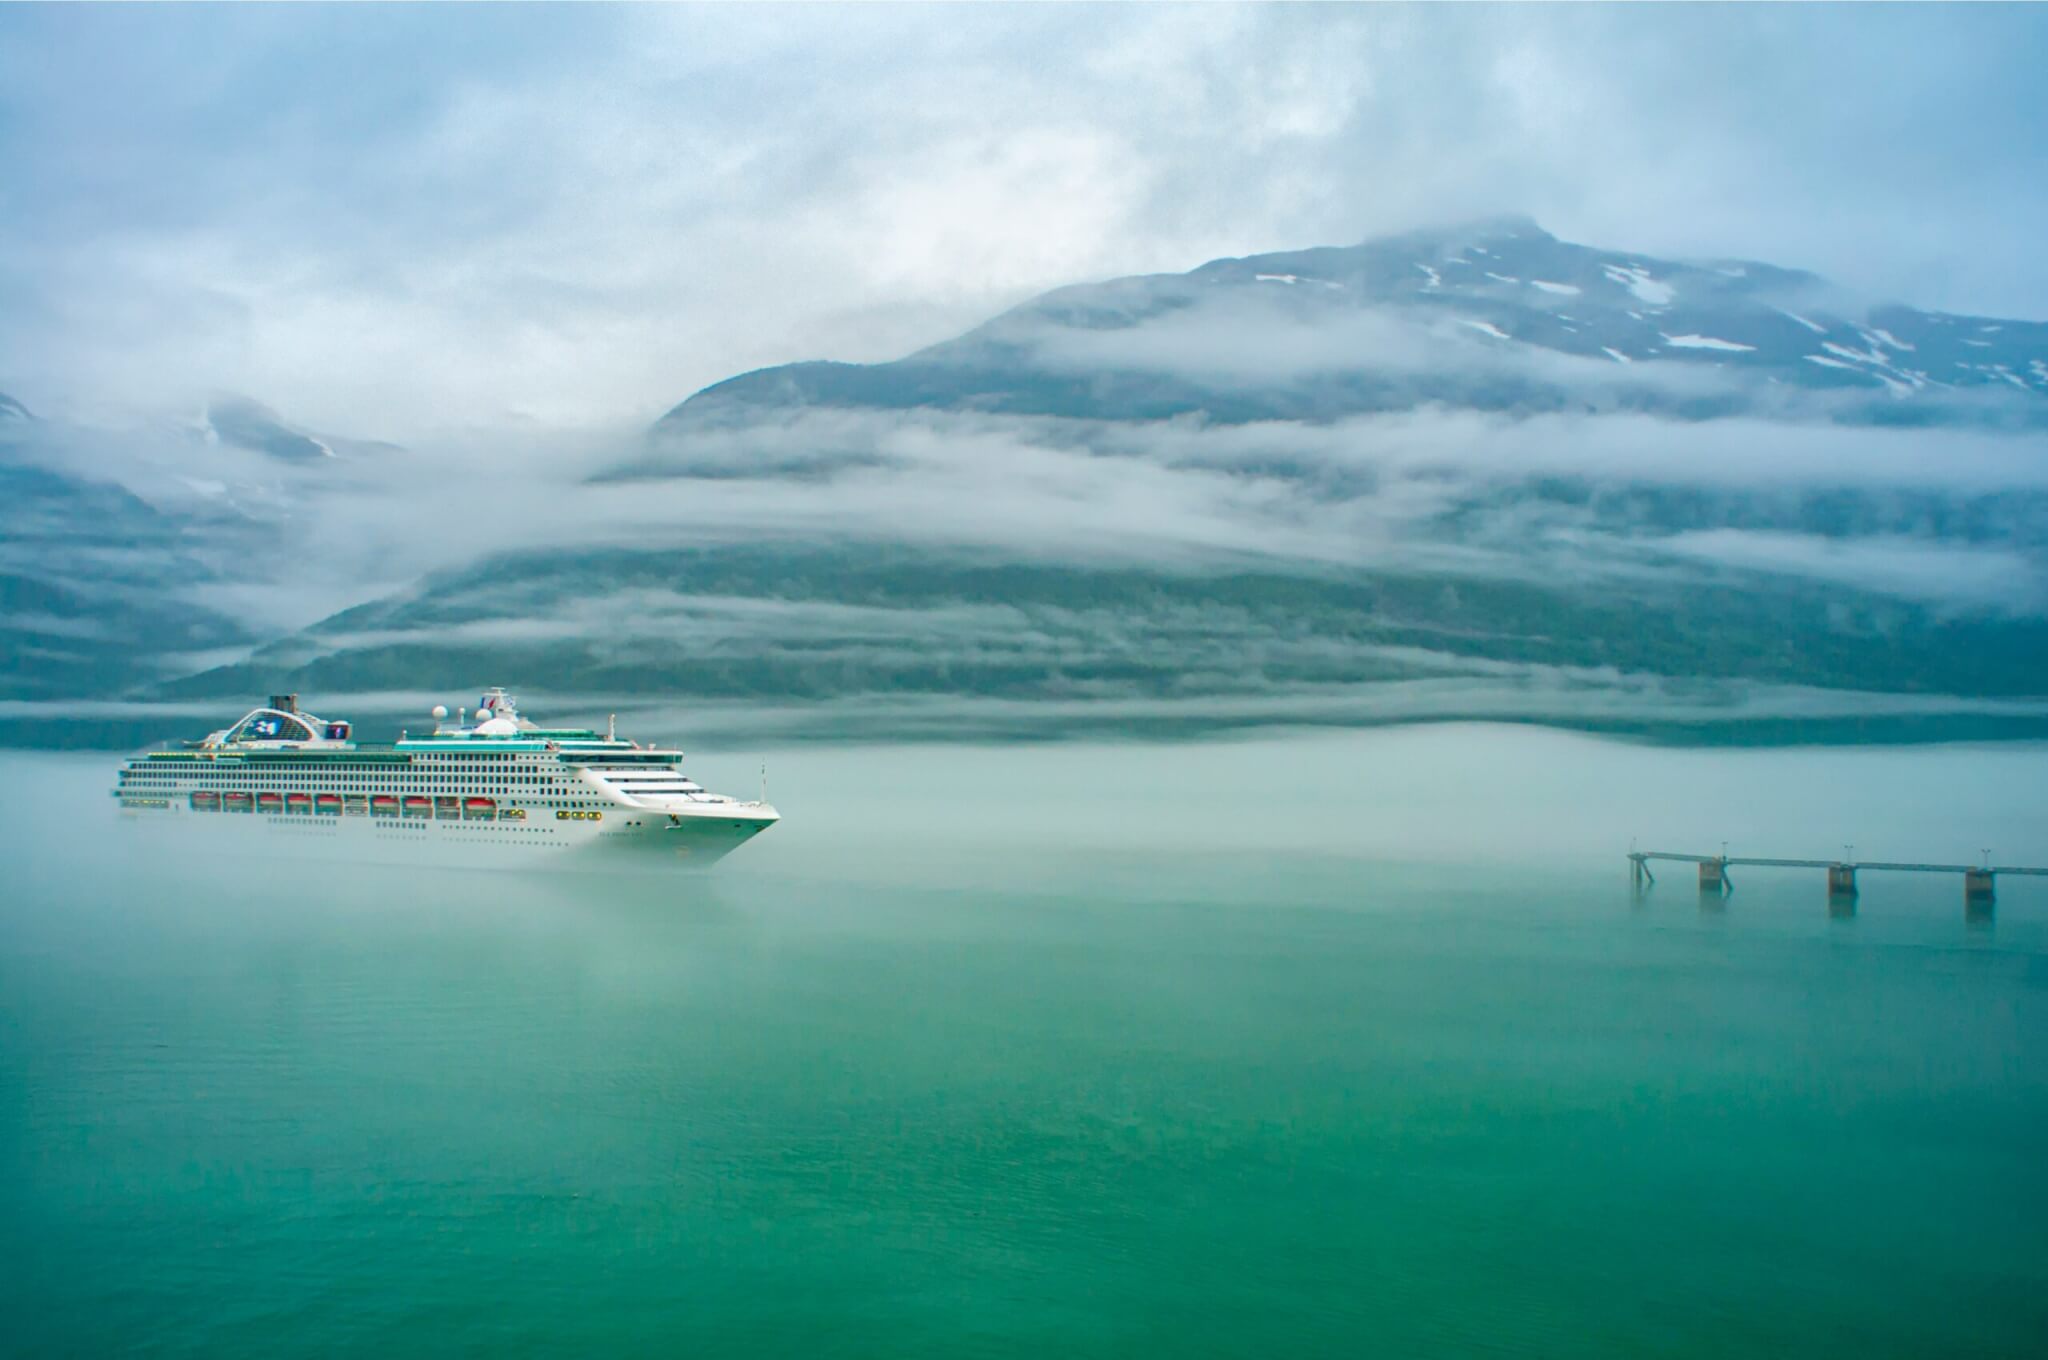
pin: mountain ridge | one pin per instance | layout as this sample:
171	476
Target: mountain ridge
1516	295
1465	473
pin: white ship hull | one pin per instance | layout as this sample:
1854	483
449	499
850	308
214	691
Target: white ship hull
623	840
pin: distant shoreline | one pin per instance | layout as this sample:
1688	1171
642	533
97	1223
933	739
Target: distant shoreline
797	727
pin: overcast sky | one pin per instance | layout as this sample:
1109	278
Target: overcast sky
386	220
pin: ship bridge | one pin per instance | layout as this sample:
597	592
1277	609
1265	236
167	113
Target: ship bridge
643	778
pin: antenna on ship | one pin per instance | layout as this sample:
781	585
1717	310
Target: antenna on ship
611	727
764	781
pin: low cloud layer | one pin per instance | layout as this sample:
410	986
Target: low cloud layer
1934	516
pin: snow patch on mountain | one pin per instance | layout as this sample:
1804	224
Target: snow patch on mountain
1638	281
1705	342
1869	356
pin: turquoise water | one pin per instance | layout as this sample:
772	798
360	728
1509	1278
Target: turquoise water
962	1061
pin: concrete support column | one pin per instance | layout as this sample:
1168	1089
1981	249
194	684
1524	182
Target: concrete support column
1841	880
1713	877
1978	885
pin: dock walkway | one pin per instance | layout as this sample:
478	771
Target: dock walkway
1979	880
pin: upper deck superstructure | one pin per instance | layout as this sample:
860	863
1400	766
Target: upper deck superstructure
495	779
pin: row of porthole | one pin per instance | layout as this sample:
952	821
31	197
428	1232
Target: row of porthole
353	791
579	816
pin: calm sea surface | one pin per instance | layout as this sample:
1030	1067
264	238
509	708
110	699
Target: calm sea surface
1323	1045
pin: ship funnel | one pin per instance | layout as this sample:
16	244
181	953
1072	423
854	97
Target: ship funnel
285	703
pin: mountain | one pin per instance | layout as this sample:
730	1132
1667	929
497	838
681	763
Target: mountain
244	423
1476	473
864	641
100	588
94	589
11	410
251	425
60	642
1497	316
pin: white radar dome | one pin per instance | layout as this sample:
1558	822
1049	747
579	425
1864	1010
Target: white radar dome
440	711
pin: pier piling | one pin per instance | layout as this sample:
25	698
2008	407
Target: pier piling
1713	876
1841	880
1979	885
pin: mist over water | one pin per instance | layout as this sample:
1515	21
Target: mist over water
1315	1044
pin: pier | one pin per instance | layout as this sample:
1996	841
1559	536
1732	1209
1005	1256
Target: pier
1980	881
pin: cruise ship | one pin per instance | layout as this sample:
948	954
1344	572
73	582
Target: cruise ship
495	787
